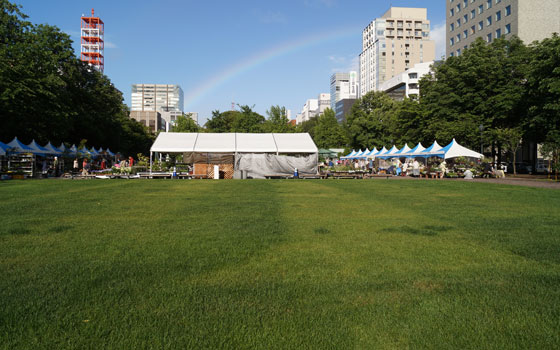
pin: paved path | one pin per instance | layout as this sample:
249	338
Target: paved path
540	183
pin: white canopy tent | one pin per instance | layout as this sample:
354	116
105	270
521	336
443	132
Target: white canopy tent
454	149
236	144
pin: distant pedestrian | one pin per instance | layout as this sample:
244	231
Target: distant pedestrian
415	168
55	164
75	166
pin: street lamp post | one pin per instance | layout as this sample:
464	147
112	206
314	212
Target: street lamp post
481	128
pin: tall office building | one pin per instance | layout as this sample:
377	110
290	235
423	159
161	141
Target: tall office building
92	43
155	101
392	44
468	20
343	86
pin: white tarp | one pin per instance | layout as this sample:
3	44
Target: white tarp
258	166
174	142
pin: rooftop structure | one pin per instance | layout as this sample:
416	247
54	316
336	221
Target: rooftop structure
92	44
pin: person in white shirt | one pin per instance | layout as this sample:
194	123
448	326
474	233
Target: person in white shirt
415	168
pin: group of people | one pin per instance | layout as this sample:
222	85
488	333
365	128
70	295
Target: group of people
89	165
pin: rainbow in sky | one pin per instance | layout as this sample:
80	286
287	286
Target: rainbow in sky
195	95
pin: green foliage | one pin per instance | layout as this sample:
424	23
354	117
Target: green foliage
328	132
48	94
371	121
510	139
278	120
185	123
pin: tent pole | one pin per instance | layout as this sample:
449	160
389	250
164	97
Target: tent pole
150	163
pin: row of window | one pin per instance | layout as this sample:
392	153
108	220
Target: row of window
472	31
458	8
465	19
498	33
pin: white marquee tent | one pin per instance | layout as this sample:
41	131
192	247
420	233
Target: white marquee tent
248	149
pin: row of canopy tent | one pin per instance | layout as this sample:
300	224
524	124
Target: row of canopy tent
452	150
16	146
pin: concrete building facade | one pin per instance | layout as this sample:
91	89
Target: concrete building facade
155	97
314	107
468	20
150	119
343	86
392	44
406	84
342	108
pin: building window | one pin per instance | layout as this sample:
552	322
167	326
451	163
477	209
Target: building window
452	27
498	33
451	41
488	4
451	54
458	23
508	29
451	12
465	18
472	30
480	25
465	34
458	52
489	21
465	3
480	9
508	10
498	1
458	37
498	16
489	38
458	7
473	12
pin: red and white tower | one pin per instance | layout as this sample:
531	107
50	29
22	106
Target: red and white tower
92	44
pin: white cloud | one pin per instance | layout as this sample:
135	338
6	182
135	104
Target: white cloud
437	34
110	45
345	63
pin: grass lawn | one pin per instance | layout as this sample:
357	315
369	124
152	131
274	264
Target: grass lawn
131	264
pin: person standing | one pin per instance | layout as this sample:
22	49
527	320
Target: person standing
84	167
415	168
130	161
75	165
55	164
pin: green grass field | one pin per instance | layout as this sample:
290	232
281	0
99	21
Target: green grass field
131	264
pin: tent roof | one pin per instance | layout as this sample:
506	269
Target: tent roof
174	142
233	142
37	149
403	150
259	143
52	149
295	143
454	149
418	148
19	147
3	148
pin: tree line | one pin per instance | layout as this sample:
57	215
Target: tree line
48	94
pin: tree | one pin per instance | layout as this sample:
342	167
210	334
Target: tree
278	120
328	133
551	149
48	94
222	122
248	121
510	138
185	123
543	121
483	86
371	121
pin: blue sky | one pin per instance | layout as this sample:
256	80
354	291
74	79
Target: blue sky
250	52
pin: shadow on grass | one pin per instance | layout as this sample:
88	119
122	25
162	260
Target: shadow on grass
427	230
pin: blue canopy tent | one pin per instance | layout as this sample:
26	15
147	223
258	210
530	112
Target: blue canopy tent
372	154
402	151
454	149
37	149
109	152
17	147
417	149
430	151
349	155
93	152
83	151
389	153
52	149
3	149
362	155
